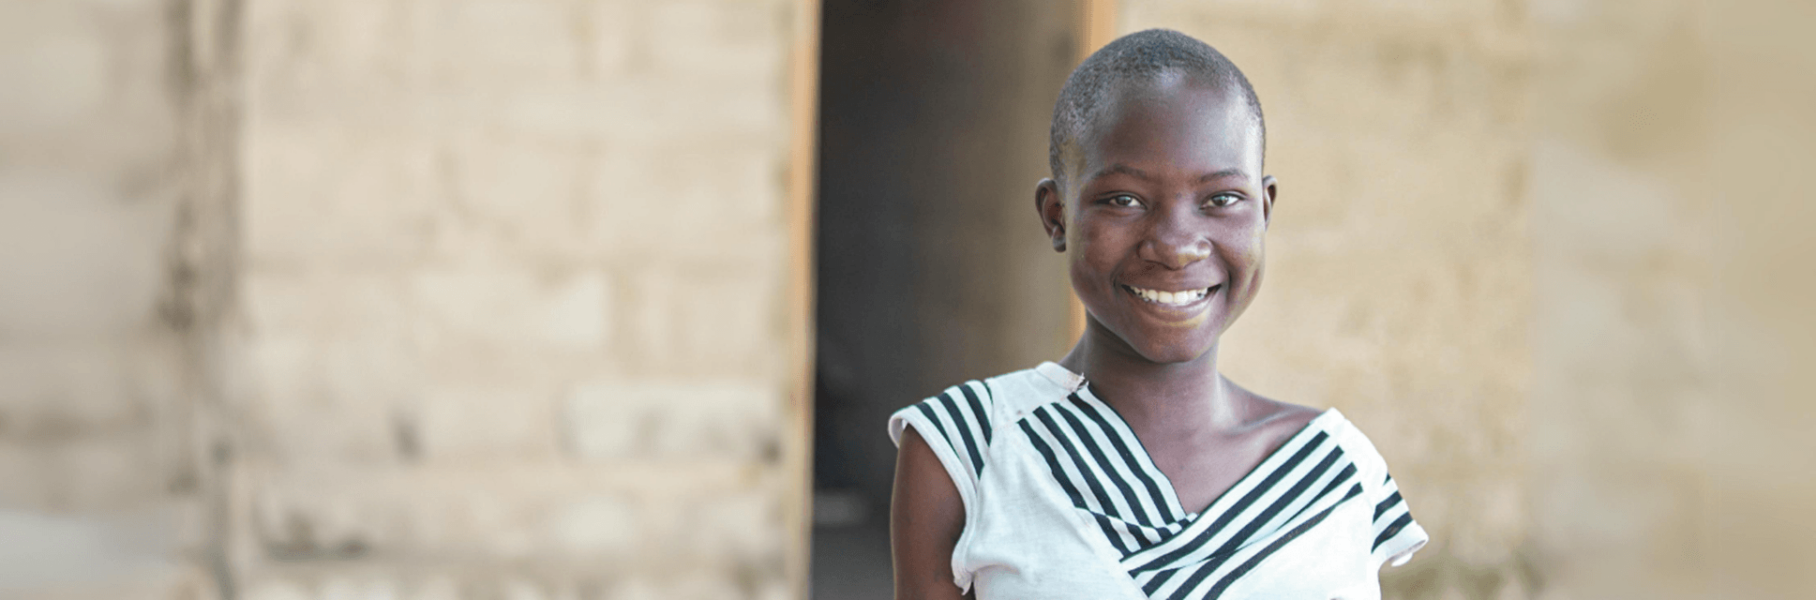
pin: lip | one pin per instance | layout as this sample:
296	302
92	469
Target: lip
1172	311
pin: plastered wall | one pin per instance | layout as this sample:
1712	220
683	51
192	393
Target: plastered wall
1399	258
1671	323
1545	254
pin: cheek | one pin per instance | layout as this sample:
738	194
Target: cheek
1079	249
1244	253
1090	274
1095	255
1094	247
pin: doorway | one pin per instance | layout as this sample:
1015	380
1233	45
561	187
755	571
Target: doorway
931	265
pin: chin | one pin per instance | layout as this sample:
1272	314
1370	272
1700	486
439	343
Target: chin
1175	353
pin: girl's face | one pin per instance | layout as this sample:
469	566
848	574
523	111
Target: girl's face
1167	218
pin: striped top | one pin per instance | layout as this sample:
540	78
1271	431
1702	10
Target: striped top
1062	501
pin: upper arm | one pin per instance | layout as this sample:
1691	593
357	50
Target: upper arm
926	516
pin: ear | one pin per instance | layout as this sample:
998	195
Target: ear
1271	189
1052	209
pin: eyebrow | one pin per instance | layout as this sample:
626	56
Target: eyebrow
1222	174
1124	169
1140	174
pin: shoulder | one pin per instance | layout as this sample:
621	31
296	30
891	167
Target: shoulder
961	421
1356	443
979	403
1275	420
1396	535
1282	421
1289	418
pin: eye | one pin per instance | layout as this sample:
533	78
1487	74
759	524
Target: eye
1224	199
1124	200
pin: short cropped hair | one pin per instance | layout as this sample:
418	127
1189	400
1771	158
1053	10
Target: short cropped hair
1140	57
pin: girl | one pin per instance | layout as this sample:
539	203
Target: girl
1131	468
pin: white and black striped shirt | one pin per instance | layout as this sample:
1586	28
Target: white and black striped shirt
1062	501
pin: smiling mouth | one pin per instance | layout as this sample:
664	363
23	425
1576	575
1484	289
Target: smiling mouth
1171	298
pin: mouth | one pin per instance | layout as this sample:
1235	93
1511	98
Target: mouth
1172	298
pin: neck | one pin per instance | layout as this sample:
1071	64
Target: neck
1151	395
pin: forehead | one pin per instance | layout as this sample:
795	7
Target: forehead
1174	124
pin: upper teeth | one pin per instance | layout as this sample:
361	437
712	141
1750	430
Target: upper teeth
1174	298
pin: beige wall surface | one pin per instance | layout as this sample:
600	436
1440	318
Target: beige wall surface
514	282
402	299
1399	261
1623	342
98	482
1546	254
1670	458
425	299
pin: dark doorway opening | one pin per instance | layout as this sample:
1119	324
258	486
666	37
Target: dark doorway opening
931	266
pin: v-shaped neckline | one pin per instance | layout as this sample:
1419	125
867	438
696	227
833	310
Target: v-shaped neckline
1077	385
1171	491
1107	473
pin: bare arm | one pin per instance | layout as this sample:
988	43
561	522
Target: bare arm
926	516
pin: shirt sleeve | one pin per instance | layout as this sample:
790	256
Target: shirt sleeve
956	424
1396	535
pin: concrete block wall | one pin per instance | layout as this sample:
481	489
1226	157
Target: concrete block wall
514	282
98	495
402	299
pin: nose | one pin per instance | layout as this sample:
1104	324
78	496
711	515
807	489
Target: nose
1176	239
